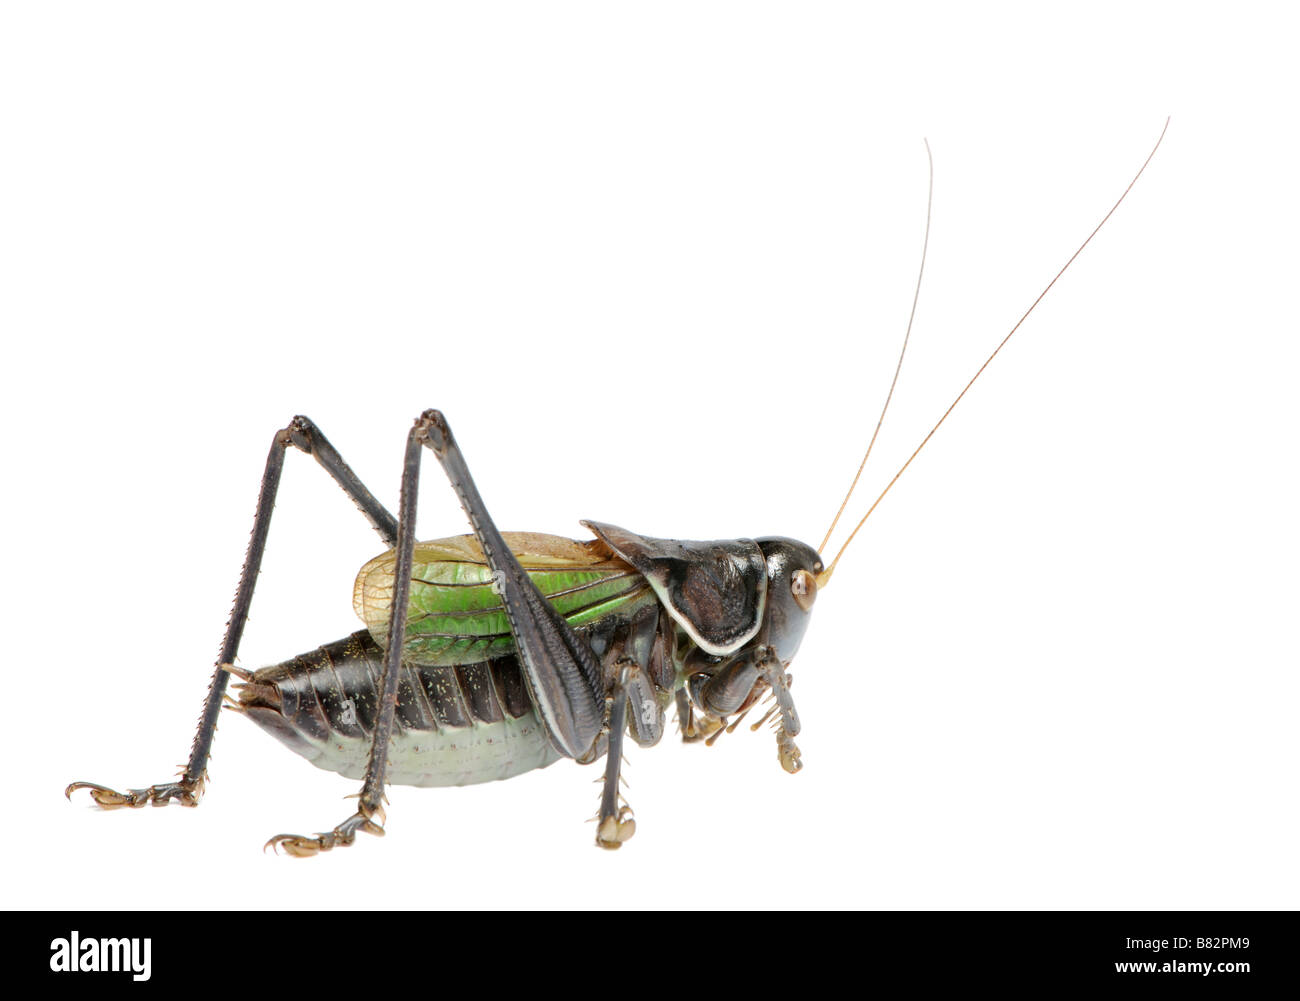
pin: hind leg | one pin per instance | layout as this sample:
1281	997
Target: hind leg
302	434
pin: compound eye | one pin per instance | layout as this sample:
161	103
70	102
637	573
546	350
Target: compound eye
803	586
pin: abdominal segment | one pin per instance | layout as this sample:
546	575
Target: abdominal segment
454	725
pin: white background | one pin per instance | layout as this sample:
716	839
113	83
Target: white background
654	261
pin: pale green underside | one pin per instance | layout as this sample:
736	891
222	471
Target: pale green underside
484	752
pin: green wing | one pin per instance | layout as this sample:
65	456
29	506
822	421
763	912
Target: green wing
456	617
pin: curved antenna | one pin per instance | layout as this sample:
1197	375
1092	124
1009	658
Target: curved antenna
824	577
916	296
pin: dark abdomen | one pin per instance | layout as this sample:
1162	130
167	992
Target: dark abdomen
454	725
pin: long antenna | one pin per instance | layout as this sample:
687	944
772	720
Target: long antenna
925	246
824	577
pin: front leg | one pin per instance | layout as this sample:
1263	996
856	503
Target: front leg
733	689
772	671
